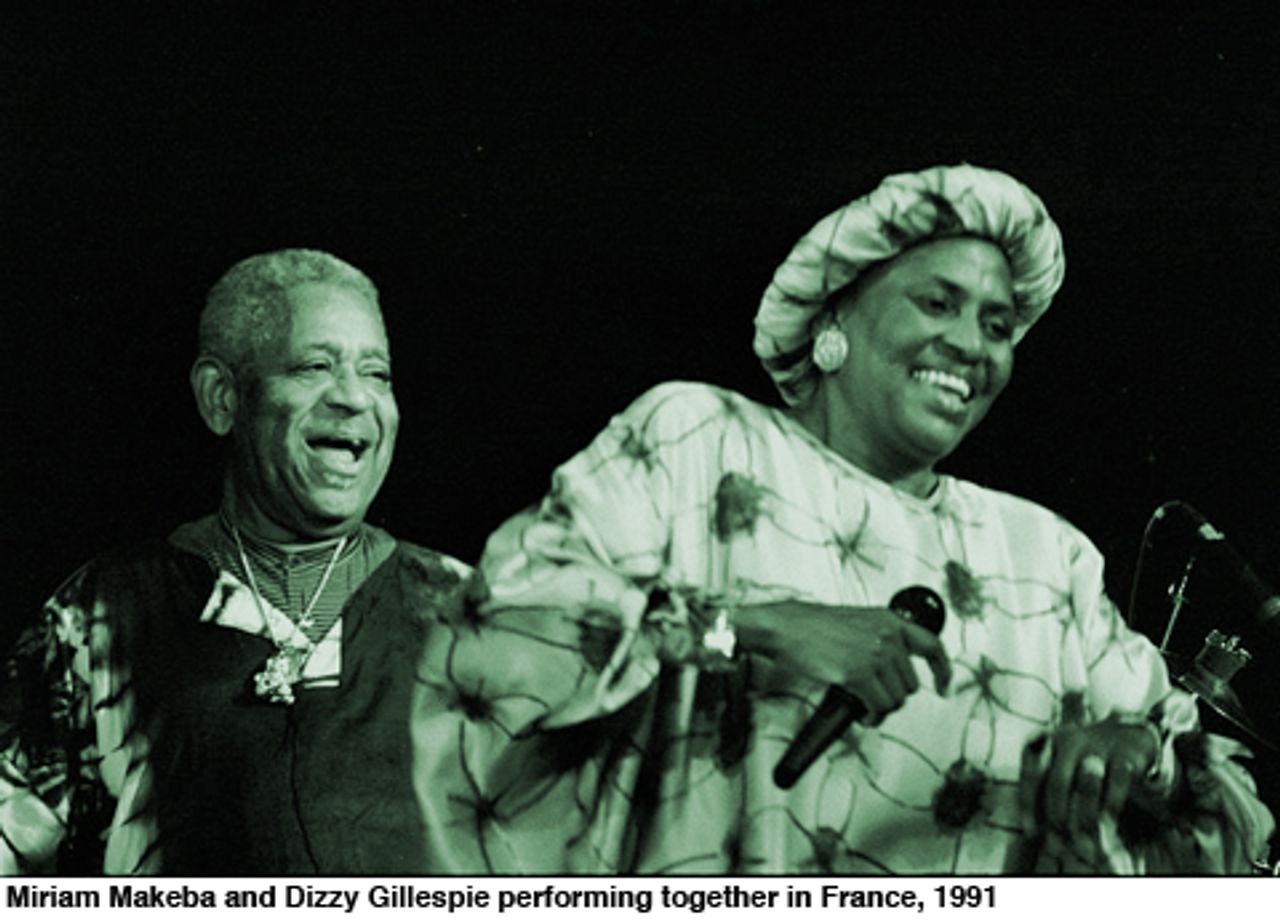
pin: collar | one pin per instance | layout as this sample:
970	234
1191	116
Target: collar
286	555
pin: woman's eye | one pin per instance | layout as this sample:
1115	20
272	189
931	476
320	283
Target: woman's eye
934	304
999	328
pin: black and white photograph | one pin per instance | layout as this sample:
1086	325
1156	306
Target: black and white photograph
606	441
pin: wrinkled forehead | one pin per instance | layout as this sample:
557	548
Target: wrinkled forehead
337	314
336	318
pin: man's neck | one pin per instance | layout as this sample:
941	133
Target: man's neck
251	521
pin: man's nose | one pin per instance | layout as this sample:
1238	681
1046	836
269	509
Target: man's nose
349	391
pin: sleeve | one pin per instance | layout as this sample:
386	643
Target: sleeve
54	806
569	624
1198	811
583	583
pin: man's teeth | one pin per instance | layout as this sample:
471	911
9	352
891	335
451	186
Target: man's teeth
353	449
950	382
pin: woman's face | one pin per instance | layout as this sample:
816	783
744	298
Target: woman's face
930	348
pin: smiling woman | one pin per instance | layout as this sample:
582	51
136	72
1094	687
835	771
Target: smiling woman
709	569
930	348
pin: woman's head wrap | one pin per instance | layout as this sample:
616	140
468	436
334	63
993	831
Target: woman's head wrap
904	210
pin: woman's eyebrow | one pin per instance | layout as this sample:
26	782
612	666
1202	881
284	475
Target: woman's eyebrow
959	290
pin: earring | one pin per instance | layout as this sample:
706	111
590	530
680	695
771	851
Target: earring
830	349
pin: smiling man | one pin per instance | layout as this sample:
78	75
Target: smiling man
234	700
318	419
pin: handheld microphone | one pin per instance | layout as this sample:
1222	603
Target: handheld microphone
839	708
1264	600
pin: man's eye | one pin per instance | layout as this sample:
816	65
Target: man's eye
312	367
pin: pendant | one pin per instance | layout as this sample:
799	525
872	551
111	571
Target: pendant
274	683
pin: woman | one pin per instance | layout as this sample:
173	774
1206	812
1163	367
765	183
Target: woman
656	634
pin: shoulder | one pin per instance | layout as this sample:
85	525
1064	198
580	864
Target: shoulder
430	566
136	563
1024	522
128	584
435	584
680	403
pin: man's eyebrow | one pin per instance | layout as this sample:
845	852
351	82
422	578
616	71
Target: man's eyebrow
377	352
335	350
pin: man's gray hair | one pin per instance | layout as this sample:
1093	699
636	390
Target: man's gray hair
247	306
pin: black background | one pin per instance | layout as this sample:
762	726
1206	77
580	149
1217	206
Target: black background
565	203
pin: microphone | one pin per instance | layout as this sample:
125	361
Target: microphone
1264	600
839	708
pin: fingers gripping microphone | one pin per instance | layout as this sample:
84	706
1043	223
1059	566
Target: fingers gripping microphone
839	708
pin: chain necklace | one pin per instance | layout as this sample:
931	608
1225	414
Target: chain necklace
274	683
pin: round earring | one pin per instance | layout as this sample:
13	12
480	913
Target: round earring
830	349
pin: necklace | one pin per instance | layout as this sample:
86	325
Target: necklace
274	683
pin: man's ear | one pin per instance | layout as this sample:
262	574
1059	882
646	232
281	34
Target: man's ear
214	386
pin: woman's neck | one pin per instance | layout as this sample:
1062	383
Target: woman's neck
818	418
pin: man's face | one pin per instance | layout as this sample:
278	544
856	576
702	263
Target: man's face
931	348
316	424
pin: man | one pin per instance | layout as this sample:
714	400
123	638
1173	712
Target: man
235	699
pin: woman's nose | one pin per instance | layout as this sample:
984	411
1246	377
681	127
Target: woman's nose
963	336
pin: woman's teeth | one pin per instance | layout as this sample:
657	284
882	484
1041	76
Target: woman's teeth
949	382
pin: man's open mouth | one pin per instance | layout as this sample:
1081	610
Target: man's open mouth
340	446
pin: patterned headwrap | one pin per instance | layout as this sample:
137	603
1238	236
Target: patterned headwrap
905	210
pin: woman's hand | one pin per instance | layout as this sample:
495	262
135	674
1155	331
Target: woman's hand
866	650
1070	779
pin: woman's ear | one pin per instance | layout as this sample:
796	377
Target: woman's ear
214	385
830	347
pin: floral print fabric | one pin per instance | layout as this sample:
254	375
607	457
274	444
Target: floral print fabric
569	729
